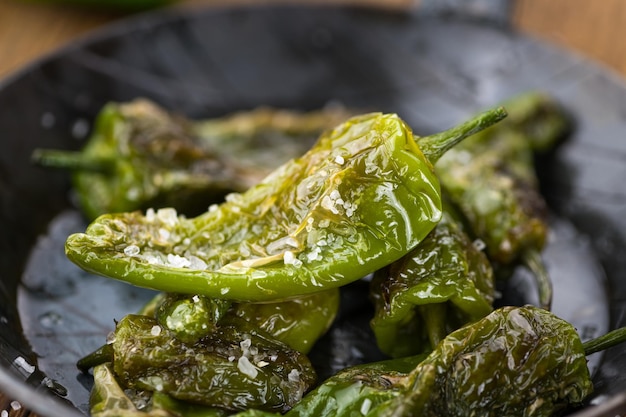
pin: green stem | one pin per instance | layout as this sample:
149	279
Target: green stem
101	355
612	338
533	261
74	161
434	316
434	146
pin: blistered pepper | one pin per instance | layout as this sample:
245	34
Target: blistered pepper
491	178
298	322
361	198
236	367
442	284
140	156
517	361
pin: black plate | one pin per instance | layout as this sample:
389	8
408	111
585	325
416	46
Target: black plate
432	70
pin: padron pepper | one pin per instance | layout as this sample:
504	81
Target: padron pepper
236	367
140	156
361	198
442	284
298	322
517	361
491	179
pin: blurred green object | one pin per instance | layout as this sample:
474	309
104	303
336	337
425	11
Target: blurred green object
120	6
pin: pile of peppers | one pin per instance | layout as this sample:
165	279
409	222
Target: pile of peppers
249	286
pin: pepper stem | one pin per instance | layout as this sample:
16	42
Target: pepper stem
612	338
434	316
98	357
434	146
74	161
533	261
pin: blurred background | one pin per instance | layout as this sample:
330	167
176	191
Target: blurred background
32	28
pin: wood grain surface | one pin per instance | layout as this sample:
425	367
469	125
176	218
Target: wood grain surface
30	30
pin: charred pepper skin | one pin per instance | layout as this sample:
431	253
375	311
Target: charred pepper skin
237	367
360	199
140	156
511	363
441	285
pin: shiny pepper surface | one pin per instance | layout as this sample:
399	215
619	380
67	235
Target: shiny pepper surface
442	284
517	361
235	368
361	198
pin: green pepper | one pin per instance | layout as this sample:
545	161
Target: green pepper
517	361
137	157
360	199
140	156
442	284
298	322
109	399
356	390
491	179
234	368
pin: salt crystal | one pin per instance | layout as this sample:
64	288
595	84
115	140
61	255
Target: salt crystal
339	160
15	405
177	261
131	250
22	363
156	330
168	216
247	368
4	413
365	406
294	376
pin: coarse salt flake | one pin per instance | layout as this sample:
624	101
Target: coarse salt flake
156	330
339	160
131	250
294	376
365	406
246	367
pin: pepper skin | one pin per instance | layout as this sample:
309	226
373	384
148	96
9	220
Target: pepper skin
360	199
517	361
235	368
442	284
491	179
140	156
298	322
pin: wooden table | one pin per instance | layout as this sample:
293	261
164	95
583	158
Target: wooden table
594	29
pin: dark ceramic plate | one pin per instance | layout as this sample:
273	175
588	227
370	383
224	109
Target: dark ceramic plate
432	70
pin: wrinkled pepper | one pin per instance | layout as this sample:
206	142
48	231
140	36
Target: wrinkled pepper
141	156
442	284
491	179
361	198
236	367
517	361
298	322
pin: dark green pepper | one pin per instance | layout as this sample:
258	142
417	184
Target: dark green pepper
140	156
234	368
491	179
517	361
442	284
360	199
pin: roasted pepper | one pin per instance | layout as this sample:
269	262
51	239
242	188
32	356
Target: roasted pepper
140	156
298	322
361	198
236	367
491	179
442	284
517	361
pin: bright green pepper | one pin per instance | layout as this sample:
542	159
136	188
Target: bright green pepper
491	179
298	322
360	199
442	284
234	368
140	156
